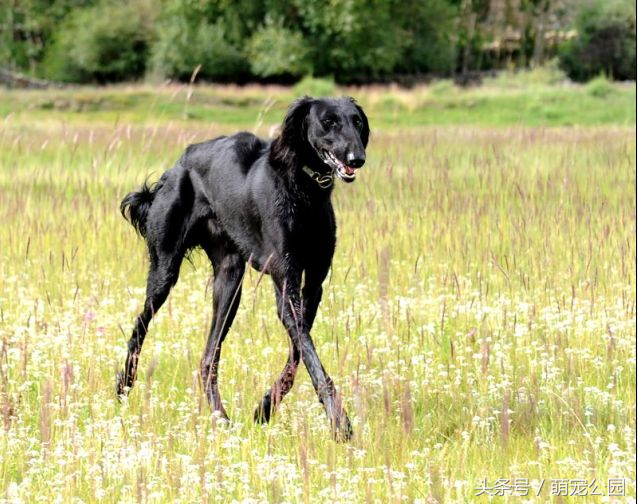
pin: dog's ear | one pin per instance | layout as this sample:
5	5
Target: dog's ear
286	146
365	129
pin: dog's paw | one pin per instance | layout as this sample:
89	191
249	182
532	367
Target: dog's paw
262	412
220	419
342	429
121	389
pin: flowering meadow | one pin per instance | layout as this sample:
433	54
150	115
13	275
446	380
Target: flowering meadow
478	321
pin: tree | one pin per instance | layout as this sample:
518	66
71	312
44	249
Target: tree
605	42
276	51
106	42
353	40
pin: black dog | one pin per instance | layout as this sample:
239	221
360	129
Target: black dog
243	199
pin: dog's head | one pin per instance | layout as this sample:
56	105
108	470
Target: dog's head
328	135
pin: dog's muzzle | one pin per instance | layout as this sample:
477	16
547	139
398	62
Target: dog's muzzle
344	171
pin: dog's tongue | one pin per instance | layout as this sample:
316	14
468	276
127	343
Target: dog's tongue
348	170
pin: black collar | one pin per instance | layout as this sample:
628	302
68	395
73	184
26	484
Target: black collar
323	180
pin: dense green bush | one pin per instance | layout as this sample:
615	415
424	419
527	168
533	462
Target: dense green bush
276	51
27	28
354	40
428	25
107	42
313	86
600	87
605	43
184	43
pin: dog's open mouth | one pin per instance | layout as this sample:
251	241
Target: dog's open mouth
343	171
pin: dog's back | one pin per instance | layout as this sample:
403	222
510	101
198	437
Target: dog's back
236	153
211	171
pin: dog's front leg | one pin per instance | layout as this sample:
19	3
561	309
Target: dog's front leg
272	398
292	316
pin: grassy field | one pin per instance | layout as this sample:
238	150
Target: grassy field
479	319
538	98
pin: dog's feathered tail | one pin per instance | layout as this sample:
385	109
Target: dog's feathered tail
135	207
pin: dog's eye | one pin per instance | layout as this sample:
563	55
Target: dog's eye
327	123
357	122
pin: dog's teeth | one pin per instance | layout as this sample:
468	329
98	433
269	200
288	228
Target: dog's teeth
344	173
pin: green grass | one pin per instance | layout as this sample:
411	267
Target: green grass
479	319
503	101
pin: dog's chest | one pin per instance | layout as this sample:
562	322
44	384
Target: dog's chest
310	230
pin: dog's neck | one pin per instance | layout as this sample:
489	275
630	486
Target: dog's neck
302	173
303	188
323	180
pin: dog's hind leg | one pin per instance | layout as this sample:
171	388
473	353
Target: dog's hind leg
229	269
163	274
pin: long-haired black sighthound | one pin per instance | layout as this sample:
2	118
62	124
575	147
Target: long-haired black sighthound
266	203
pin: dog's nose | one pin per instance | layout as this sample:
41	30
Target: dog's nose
355	161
